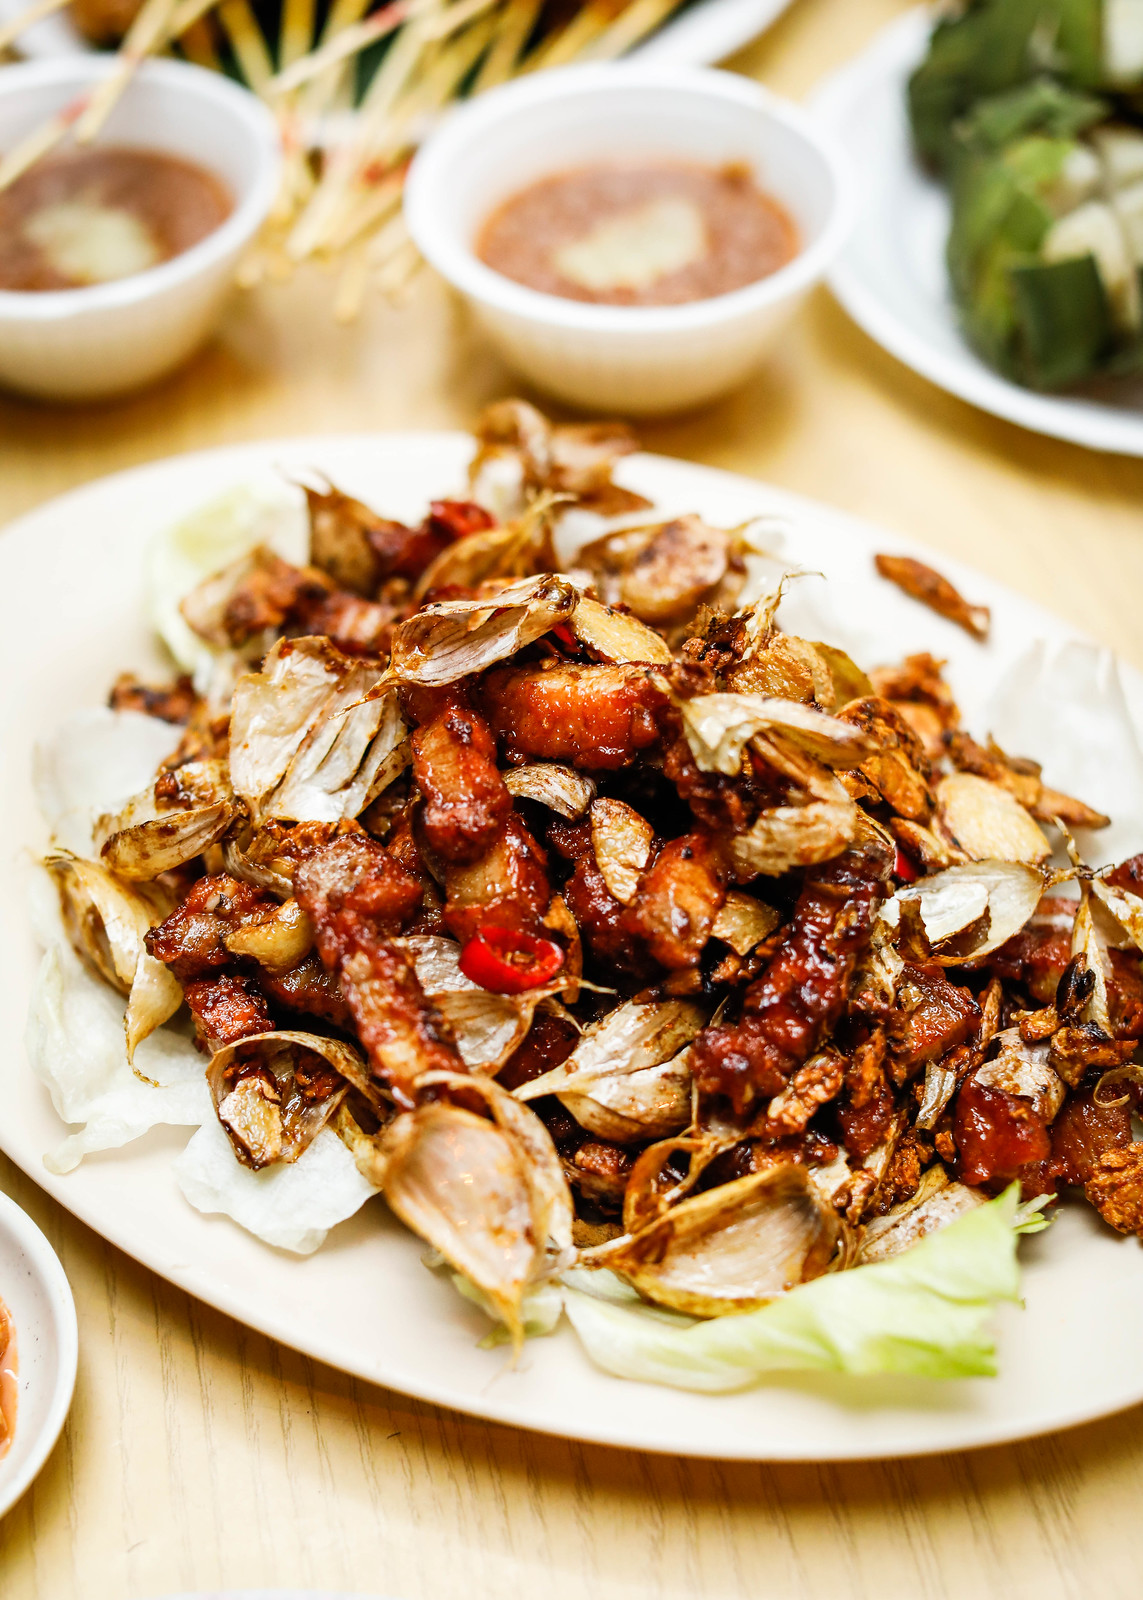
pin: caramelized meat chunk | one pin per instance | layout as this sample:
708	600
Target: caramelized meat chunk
678	898
226	1008
600	1171
1115	1189
191	941
506	888
1038	955
361	550
171	702
930	1017
358	898
997	1134
867	1109
799	998
598	718
1088	1128
308	989
454	764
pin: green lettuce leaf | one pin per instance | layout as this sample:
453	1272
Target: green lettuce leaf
924	1313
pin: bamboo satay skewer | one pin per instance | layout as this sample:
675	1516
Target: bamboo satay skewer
513	34
310	231
11	31
148	32
371	209
248	43
436	85
297	34
348	42
36	144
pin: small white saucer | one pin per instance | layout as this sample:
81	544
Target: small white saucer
37	1295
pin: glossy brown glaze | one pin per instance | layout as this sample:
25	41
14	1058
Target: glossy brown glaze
646	233
154	206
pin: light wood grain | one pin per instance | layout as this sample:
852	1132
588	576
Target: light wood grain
199	1454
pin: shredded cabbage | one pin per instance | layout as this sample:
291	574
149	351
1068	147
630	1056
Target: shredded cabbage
182	555
924	1312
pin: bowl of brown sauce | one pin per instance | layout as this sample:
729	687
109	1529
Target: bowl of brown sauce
117	256
632	238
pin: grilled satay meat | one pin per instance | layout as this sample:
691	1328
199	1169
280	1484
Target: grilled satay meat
684	885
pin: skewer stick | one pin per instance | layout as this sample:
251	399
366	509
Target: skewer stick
329	198
146	34
571	41
36	144
187	13
34	13
247	42
297	34
356	36
512	35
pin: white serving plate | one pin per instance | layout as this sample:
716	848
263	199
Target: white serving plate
36	1292
704	33
364	1302
892	277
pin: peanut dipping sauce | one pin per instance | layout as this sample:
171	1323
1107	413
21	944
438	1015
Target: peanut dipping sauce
92	216
7	1380
651	233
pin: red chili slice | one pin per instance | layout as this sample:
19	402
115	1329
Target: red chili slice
509	962
903	868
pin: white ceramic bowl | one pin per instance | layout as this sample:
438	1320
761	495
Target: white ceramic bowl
79	344
36	1292
635	359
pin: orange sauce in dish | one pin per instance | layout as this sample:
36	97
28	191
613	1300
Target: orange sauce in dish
92	216
650	233
7	1379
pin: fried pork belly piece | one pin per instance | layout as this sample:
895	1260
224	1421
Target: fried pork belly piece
361	550
170	702
454	764
307	989
595	717
260	594
359	898
792	1008
610	940
506	888
931	589
678	899
1038	955
226	1008
192	940
600	1170
1115	1189
868	1106
930	1018
1089	1126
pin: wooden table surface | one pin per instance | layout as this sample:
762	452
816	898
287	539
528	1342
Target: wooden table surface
200	1455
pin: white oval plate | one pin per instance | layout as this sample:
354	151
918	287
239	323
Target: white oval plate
364	1302
704	33
36	1292
892	277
